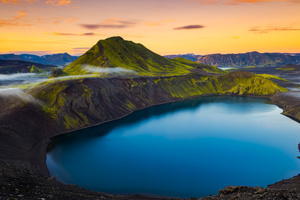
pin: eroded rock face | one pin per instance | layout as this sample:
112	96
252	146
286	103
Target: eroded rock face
56	72
24	135
290	103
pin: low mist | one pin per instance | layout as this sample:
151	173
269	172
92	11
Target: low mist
114	70
17	93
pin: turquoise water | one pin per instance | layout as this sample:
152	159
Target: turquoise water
186	149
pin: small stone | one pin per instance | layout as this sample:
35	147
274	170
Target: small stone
52	178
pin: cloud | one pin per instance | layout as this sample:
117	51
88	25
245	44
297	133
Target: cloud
76	34
19	1
51	2
81	48
19	93
189	27
158	23
58	2
115	70
72	20
8	80
235	2
202	1
17	20
40	53
111	23
21	14
18	76
272	28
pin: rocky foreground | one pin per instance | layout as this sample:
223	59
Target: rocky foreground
17	182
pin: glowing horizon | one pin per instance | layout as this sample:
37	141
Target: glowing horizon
164	26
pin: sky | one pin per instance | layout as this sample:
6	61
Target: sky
164	26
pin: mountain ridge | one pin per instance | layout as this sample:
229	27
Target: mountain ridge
241	60
60	59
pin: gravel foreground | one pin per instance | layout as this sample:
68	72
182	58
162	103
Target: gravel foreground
17	183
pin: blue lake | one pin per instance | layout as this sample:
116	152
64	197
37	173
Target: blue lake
185	149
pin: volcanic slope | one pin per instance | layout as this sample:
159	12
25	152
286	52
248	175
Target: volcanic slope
115	52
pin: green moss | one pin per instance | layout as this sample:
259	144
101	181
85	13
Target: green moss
268	76
285	69
72	122
196	65
34	69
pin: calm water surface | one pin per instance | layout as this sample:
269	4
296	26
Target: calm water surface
185	149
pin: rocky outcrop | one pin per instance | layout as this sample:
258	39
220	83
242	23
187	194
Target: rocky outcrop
290	103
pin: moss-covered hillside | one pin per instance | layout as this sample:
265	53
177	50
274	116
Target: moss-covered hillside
198	66
116	52
18	66
83	102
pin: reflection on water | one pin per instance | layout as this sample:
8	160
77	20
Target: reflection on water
184	149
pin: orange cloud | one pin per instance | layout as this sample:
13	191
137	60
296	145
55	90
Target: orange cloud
21	14
203	1
189	27
19	1
71	20
234	2
16	20
110	23
158	23
58	2
272	28
75	34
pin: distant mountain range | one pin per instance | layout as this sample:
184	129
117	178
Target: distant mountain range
244	59
61	59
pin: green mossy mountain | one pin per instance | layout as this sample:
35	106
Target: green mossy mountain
117	52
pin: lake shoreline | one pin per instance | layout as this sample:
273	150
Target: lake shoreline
24	143
278	99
